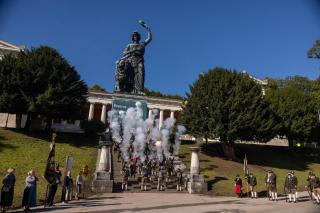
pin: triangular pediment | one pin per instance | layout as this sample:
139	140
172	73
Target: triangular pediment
11	47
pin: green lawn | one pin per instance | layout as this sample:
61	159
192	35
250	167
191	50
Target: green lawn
220	172
25	151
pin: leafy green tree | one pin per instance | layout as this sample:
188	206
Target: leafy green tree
97	88
297	111
300	82
314	51
44	83
316	92
152	93
230	106
11	99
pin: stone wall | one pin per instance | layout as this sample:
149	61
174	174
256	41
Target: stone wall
12	120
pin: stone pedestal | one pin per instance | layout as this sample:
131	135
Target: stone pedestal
123	101
196	183
103	180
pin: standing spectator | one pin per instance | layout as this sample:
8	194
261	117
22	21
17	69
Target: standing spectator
271	184
53	187
68	185
290	186
238	186
7	189
30	191
252	181
314	186
79	184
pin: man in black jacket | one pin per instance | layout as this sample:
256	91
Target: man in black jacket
271	184
290	186
252	181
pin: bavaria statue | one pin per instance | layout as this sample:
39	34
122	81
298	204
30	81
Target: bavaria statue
130	72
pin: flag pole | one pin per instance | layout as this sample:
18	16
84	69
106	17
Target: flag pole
53	140
245	170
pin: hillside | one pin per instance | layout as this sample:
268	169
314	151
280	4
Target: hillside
26	151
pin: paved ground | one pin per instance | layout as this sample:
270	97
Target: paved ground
186	203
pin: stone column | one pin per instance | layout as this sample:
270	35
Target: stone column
103	161
91	111
149	113
194	168
103	177
103	113
172	114
161	118
196	183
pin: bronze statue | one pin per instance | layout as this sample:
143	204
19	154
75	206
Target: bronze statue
130	71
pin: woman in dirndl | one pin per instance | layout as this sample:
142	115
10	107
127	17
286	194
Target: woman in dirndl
238	186
7	189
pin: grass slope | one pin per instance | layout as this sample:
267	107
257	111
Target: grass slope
26	151
220	173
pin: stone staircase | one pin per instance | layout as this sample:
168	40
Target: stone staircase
134	184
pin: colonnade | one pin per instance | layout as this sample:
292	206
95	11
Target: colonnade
103	117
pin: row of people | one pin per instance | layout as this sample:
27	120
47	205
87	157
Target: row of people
29	198
67	187
290	186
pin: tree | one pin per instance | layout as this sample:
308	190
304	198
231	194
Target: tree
316	92
11	99
152	93
44	83
314	52
97	88
297	111
229	105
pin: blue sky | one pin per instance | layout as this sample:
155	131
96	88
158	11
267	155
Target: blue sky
265	38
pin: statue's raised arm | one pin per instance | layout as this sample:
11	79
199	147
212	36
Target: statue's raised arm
149	38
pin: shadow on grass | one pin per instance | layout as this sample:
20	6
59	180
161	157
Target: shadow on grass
5	146
263	155
74	139
2	138
214	181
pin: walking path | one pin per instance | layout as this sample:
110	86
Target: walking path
180	202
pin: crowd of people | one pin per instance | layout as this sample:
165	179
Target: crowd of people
29	198
270	182
152	170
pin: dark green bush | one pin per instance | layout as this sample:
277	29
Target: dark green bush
92	127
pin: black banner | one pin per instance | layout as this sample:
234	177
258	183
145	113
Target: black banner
49	173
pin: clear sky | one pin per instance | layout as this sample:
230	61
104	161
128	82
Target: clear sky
267	38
